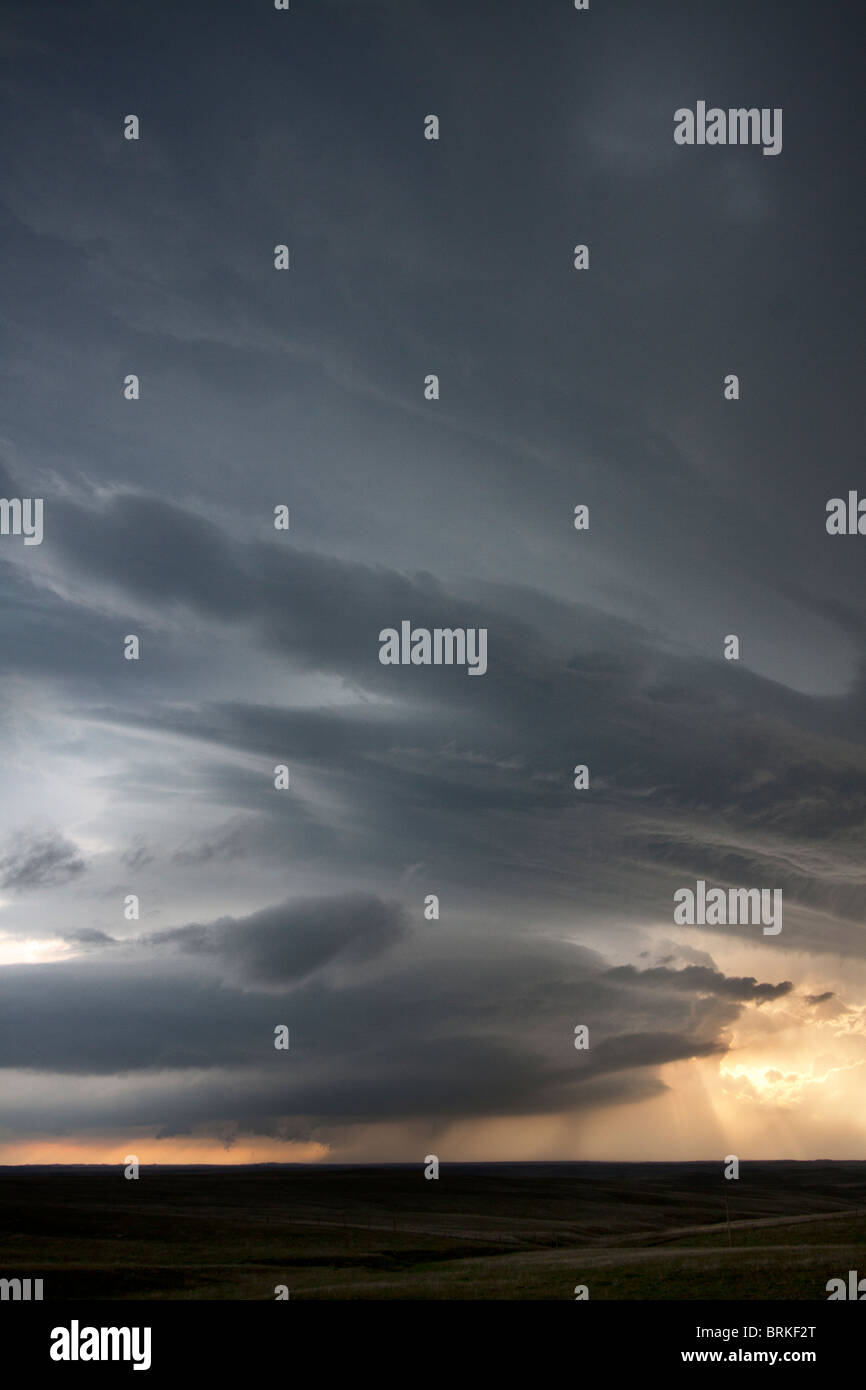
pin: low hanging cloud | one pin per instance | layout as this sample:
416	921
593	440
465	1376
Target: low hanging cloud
286	943
449	1024
698	979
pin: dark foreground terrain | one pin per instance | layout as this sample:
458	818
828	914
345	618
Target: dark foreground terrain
482	1231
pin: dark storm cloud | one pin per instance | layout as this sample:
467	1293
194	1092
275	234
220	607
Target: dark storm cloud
779	768
155	550
650	1049
115	1021
446	755
39	861
326	613
820	998
432	1032
282	944
700	980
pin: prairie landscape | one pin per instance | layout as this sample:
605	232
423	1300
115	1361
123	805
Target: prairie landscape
656	1231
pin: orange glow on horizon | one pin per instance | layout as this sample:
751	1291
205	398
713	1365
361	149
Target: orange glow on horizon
155	1151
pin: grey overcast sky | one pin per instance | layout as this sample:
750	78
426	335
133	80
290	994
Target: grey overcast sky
259	647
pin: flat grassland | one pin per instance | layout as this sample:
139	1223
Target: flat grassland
482	1231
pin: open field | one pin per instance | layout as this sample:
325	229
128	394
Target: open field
482	1231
